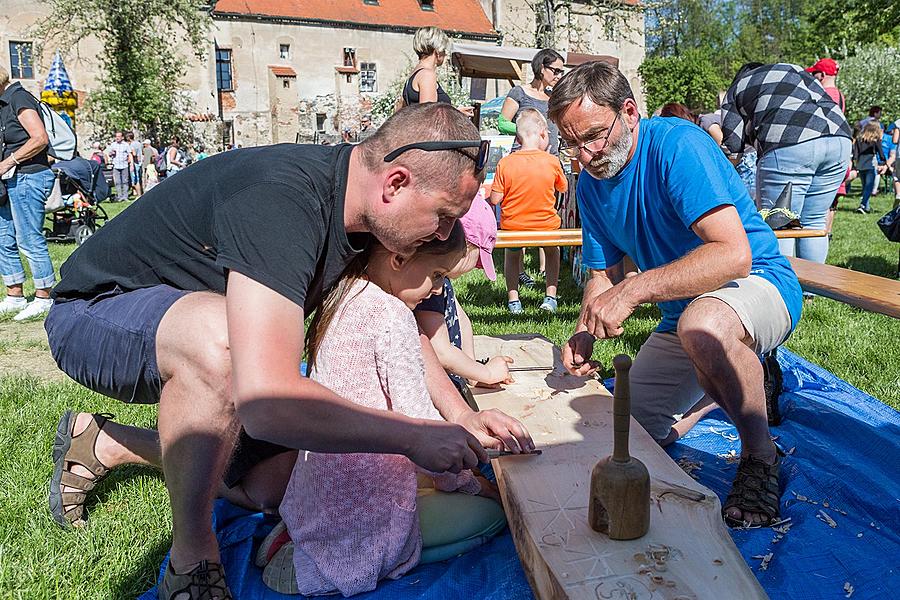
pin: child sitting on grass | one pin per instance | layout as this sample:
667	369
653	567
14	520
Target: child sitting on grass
525	182
350	520
443	320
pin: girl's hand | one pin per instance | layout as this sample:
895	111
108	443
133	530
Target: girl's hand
497	370
489	490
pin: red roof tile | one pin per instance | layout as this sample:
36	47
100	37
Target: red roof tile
282	71
463	16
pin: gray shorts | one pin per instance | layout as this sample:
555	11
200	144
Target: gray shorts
663	380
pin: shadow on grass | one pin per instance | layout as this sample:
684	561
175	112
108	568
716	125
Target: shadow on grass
874	265
145	573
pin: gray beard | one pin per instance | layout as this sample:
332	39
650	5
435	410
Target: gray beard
613	160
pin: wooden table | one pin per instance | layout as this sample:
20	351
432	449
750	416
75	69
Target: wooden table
546	496
870	292
572	237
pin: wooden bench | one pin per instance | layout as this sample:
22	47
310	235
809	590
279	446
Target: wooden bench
870	292
572	237
546	496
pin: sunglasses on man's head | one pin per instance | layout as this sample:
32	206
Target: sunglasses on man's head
484	147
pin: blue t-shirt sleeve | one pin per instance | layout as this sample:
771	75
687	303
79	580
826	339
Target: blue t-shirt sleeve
597	251
690	156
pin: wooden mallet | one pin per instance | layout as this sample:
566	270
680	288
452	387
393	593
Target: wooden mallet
620	484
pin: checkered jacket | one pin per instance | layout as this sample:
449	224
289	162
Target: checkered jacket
778	105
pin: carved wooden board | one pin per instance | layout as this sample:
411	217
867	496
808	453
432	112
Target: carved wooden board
546	497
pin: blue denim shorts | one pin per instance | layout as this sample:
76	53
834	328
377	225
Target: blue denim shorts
108	343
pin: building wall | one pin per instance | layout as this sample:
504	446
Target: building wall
262	108
585	27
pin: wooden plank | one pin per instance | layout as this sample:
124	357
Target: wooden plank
800	233
555	237
546	497
572	237
870	292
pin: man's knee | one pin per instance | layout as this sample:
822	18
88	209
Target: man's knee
707	325
193	344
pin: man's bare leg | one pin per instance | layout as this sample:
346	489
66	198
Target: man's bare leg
197	425
731	374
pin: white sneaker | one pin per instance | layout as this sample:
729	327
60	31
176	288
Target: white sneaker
12	304
36	308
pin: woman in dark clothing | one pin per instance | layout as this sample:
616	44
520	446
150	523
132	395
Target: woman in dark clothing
431	46
869	159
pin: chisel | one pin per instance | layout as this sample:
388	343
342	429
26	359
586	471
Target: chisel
498	453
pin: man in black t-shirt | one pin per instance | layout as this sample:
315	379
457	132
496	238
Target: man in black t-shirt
195	298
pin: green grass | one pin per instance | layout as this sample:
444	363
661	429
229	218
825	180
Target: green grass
118	555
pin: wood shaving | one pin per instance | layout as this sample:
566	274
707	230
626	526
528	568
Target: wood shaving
826	518
791	451
718	562
731	458
765	558
848	589
728	436
802	498
859	535
689	466
782	526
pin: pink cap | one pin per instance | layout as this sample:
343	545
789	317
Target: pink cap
480	226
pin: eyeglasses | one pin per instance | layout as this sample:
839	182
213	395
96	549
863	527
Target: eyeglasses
590	146
555	71
481	158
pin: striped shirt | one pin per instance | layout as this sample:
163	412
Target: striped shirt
779	105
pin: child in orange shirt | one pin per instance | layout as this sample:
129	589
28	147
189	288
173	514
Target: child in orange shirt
525	182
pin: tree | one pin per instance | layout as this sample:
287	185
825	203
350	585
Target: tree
142	58
870	77
384	104
690	78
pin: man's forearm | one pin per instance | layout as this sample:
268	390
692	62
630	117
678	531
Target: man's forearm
597	283
706	268
444	395
312	417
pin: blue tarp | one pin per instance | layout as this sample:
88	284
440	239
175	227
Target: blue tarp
845	453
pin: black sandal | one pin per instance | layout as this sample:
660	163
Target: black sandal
773	382
755	490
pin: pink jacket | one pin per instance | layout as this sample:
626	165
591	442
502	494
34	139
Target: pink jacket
352	517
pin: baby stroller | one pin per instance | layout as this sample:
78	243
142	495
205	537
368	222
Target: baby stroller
73	209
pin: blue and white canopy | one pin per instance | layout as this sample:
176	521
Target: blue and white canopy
58	78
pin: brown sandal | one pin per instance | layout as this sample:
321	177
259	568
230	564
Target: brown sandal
68	450
205	582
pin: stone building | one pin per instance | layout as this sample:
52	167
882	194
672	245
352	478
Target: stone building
303	70
292	70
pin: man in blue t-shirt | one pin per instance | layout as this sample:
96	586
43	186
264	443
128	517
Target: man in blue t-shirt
661	192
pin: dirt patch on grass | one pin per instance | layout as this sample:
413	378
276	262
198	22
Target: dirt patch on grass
24	351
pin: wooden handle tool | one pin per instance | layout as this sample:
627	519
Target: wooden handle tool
620	484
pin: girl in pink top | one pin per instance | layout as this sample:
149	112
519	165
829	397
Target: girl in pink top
351	518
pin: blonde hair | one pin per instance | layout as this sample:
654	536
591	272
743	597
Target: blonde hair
4	77
429	40
871	133
530	122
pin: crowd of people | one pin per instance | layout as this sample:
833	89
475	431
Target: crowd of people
190	301
138	166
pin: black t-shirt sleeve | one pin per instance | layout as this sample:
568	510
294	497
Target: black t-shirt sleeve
273	234
22	100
